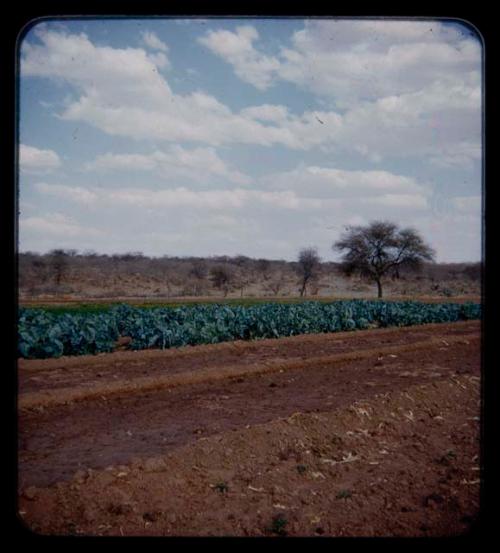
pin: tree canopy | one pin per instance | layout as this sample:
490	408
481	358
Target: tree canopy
381	248
307	266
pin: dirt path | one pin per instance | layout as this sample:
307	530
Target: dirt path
58	440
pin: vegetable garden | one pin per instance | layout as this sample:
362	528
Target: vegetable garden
42	334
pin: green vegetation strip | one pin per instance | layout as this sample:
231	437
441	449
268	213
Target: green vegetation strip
43	333
82	307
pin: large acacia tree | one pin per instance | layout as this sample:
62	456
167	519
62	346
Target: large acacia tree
381	248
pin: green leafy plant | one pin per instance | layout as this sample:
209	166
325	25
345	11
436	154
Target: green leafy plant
222	487
344	494
278	525
42	333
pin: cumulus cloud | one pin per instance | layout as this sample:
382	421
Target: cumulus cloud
237	48
276	219
400	201
366	60
431	122
217	199
36	161
77	194
460	155
56	225
197	164
304	188
401	88
331	183
122	93
354	60
267	112
151	40
467	204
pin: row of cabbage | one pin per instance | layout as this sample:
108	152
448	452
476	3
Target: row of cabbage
44	334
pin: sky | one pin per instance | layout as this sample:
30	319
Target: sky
249	136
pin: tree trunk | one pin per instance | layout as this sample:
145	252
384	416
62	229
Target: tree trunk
379	288
303	289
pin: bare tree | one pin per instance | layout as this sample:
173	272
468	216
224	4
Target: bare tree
40	270
276	283
36	276
58	264
263	266
242	280
198	269
198	272
308	266
381	248
221	277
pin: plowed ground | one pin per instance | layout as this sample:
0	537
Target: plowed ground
362	433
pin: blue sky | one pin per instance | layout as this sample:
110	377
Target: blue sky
248	136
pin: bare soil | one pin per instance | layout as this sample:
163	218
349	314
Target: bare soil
74	299
362	433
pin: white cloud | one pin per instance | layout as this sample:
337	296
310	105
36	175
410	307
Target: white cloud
267	112
467	204
405	88
302	189
236	48
198	164
353	60
434	121
151	39
461	155
77	194
36	161
122	93
95	69
256	222
218	199
410	201
57	225
455	235
325	182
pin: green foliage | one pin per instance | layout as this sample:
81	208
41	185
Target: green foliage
278	525
344	494
42	333
301	469
221	487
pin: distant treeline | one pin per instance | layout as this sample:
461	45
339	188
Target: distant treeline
69	271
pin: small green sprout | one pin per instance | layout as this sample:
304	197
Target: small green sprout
344	494
222	487
278	525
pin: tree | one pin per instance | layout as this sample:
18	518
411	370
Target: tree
276	283
263	266
221	277
58	263
308	265
381	248
198	269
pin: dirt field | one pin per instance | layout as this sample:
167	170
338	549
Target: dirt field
140	300
368	433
